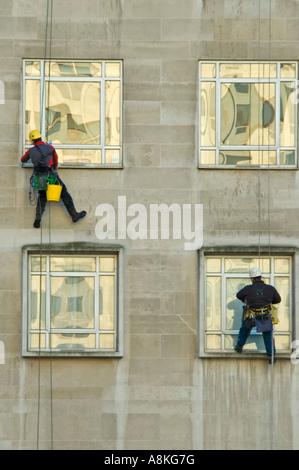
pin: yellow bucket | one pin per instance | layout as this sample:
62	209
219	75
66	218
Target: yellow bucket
53	192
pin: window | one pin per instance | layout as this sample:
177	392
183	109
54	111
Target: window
71	304
77	107
247	114
224	277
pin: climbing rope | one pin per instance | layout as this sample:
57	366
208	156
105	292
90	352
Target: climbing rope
47	57
268	185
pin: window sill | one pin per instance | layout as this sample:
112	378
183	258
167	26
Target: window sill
244	355
66	354
245	167
81	166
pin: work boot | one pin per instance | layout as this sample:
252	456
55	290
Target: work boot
238	348
36	223
270	359
78	215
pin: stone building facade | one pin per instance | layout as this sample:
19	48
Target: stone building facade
161	372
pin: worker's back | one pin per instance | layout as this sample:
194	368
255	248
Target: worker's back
259	294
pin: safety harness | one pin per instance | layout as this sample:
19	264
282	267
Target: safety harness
42	174
263	318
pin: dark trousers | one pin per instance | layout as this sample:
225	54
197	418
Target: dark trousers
65	197
267	336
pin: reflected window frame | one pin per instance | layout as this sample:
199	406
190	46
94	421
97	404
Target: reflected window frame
42	335
274	152
219	341
102	154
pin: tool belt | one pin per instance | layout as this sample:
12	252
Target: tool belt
261	313
252	316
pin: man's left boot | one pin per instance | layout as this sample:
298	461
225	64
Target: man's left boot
78	215
270	359
74	214
238	348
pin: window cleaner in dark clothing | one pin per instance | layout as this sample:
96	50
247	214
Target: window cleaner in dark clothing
257	298
45	161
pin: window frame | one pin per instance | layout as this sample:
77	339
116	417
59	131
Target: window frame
71	251
43	79
250	252
276	147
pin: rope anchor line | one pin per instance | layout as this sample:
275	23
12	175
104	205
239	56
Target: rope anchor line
48	23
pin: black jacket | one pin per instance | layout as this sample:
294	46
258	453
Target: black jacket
259	294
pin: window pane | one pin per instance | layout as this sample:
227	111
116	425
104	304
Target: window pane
38	263
208	114
64	263
282	342
37	341
208	70
248	114
38	302
112	112
213	307
287	157
282	284
230	341
72	302
32	107
107	307
213	265
282	265
213	342
243	265
288	70
253	343
247	157
112	156
248	70
106	341
32	68
287	114
79	156
107	264
73	112
73	69
208	157
234	309
73	341
112	69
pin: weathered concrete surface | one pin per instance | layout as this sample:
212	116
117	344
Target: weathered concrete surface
160	395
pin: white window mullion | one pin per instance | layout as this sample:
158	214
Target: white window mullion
42	100
103	112
218	113
115	309
277	114
48	304
97	302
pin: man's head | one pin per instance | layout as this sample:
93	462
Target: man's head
255	274
35	136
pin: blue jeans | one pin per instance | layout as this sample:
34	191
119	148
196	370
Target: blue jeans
267	336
